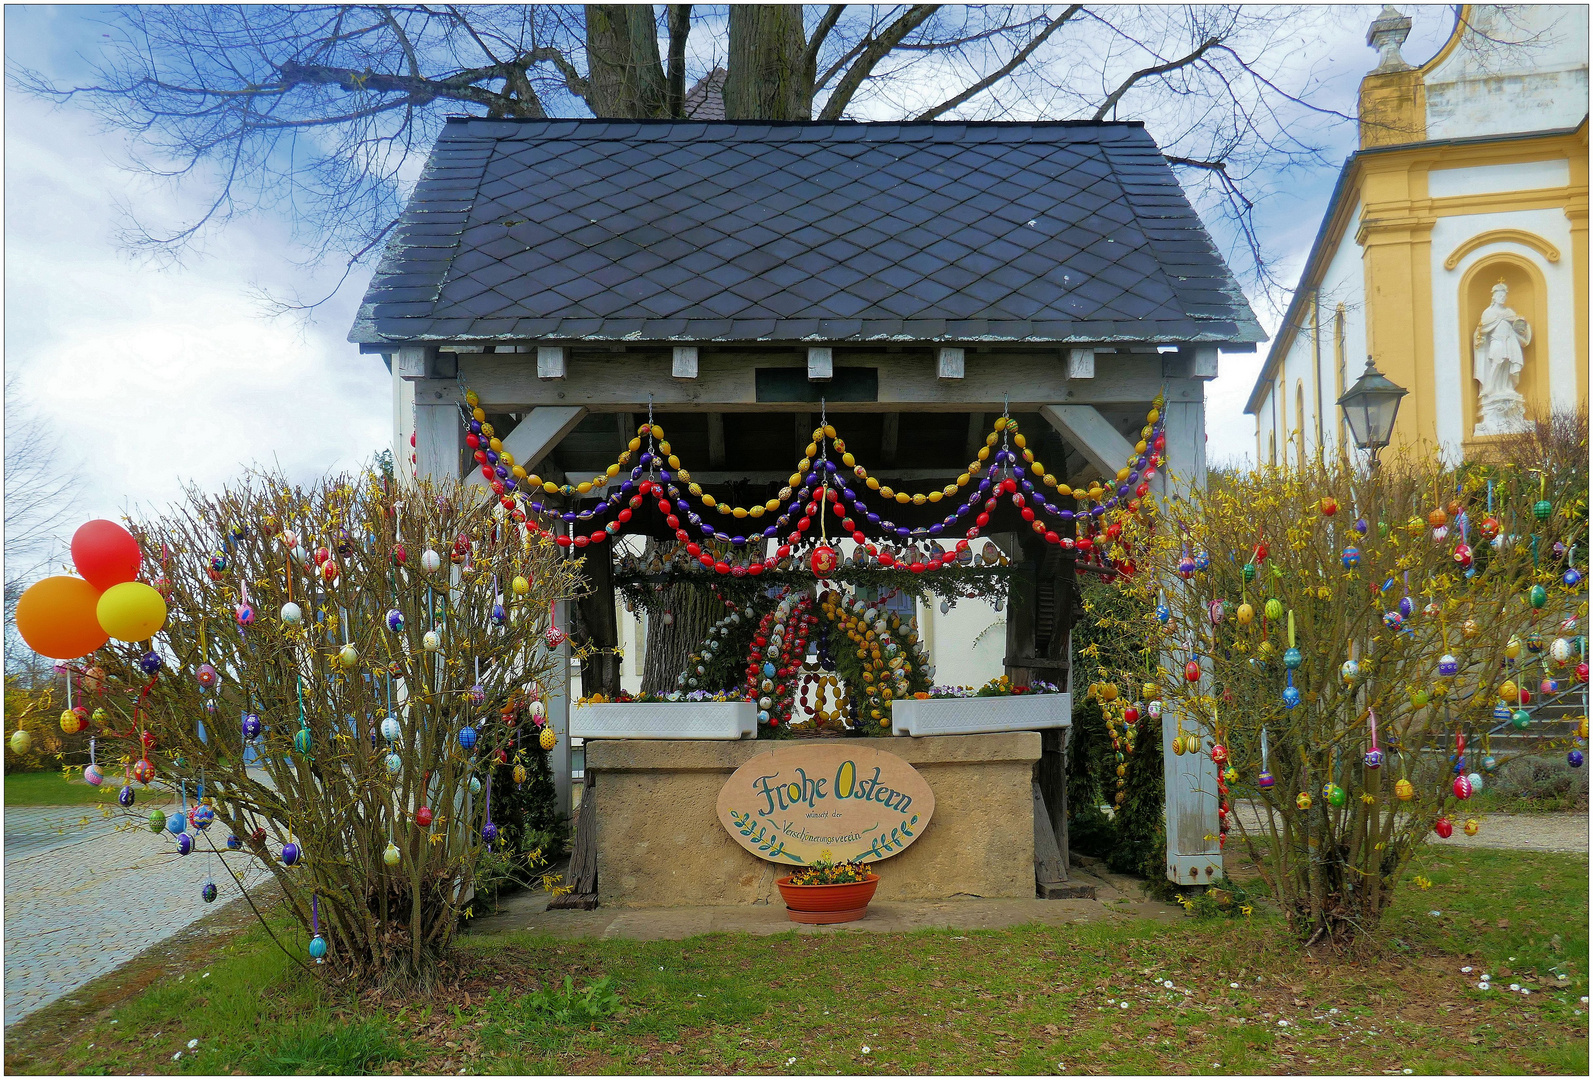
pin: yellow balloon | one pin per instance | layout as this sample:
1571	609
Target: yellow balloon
131	611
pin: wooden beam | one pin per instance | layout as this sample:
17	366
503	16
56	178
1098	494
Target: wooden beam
1092	434
685	362
439	431
716	439
411	363
821	362
887	438
1081	363
1205	366
726	383
949	364
778	476
535	437
552	361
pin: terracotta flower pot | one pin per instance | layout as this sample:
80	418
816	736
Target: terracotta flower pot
828	903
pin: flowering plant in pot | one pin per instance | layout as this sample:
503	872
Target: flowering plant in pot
828	892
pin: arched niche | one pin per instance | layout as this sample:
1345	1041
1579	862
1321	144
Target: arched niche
1529	298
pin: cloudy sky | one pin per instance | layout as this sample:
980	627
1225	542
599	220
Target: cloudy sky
153	376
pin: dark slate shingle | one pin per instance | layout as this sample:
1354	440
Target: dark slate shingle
693	231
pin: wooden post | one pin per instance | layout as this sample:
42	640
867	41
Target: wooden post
439	431
1193	854
600	674
559	713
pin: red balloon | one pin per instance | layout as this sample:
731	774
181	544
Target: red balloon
105	553
57	618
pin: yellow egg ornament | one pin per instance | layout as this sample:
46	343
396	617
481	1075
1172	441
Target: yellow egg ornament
520	585
71	723
347	658
21	742
1303	800
1246	614
548	738
1404	791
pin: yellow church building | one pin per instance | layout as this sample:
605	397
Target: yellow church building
1454	251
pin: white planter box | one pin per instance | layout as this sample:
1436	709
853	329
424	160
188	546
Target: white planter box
665	720
980	715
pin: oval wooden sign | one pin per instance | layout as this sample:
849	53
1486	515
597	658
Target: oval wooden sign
800	802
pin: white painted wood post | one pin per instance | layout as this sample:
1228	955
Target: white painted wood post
551	360
685	362
821	362
1081	363
1193	854
439	431
558	705
950	364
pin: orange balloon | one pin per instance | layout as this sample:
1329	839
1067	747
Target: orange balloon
57	618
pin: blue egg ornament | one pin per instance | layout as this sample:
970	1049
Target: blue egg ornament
208	893
126	796
233	843
1291	697
318	949
290	853
185	844
467	738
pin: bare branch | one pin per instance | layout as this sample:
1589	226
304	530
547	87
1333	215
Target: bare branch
1004	70
1128	84
905	24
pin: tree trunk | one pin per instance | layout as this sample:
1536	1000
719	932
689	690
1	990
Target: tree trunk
767	77
692	610
625	72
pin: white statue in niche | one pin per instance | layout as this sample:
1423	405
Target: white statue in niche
1496	365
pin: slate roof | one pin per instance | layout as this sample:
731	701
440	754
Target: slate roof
570	230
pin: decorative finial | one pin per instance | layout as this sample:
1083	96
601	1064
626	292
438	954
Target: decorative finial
1386	34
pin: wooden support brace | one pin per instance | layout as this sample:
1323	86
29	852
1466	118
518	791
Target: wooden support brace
950	363
551	361
535	437
1091	434
685	366
821	362
1081	363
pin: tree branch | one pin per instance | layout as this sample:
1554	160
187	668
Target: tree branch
905	24
1006	69
679	31
810	54
1144	73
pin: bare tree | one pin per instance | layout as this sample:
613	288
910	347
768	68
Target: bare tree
37	490
323	112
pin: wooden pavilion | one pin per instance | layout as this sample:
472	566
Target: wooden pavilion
918	279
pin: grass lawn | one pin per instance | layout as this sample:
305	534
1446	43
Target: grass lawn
51	788
1245	998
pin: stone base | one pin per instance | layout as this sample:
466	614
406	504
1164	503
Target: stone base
660	844
1064	890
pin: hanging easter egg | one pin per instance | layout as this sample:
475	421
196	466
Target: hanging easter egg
395	764
430	561
233	843
251	726
126	796
1164	614
1462	787
290	853
1581	672
1444	828
1351	557
391	855
1186	568
519	774
1192	671
423	817
467	738
1462	555
1360	526
489	833
499	615
1178	744
1154	709
70	722
347	657
1573	758
1265	780
475	785
150	662
538	711
1249	572
554	636
157	821
1245	614
244	613
1273	609
1291	658
1407	606
1448	666
1476	782
476	694
1560	650
1291	697
520	586
1549	686
1303	800
208	893
823	561
1520	719
1202	559
1572	577
1472	825
318	948
176	824
1219	754
302	741
1419	697
547	739
1489	527
1403	790
1393	620
391	728
143	770
206	676
1537	596
1349	671
395	620
1373	758
431	641
92	775
1215	612
1328	505
202	817
1542	509
1333	794
185	844
292	614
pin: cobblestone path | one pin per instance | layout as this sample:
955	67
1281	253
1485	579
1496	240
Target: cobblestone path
83	896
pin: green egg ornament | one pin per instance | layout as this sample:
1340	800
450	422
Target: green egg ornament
157	821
